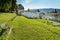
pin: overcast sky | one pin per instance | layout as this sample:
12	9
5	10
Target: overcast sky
35	4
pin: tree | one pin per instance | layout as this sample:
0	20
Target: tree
6	5
20	6
13	6
38	10
55	11
28	9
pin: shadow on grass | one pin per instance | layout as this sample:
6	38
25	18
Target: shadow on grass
1	33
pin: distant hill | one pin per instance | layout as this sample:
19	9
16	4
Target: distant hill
46	10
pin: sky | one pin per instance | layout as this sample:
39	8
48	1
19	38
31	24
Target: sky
36	4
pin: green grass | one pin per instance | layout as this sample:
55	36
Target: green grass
33	29
30	29
4	17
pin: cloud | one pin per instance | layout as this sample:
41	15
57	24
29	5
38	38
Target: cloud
35	4
39	6
26	1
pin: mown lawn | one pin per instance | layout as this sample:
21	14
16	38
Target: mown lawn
33	29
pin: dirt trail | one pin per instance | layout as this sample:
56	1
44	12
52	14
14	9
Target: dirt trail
5	26
9	33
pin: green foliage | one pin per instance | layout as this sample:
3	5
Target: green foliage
7	5
13	7
20	6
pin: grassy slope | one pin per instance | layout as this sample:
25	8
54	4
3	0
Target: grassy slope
5	17
33	29
30	29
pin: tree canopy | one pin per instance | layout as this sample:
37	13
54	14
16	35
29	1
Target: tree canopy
20	6
7	5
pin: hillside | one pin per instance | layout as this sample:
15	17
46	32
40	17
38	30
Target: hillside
46	10
4	18
32	29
